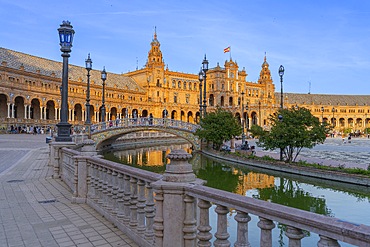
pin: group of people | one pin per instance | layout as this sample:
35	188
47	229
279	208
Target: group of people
27	129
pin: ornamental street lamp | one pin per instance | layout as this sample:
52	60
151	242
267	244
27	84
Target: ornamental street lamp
322	114
333	110
66	33
200	92
281	73
103	77
280	117
243	133
205	69
88	63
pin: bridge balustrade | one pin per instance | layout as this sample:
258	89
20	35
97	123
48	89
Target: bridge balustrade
125	196
144	122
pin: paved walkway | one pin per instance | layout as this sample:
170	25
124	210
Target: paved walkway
35	210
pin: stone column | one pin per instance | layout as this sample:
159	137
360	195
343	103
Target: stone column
175	217
8	110
13	110
41	111
45	112
55	113
25	111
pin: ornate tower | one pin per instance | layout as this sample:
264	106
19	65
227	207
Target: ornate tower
155	59
266	80
155	73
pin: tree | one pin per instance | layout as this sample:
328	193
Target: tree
291	130
218	127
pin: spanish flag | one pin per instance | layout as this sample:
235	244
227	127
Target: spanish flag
227	49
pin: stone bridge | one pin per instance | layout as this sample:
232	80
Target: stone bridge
107	132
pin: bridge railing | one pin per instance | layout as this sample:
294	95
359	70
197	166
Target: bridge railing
156	212
145	121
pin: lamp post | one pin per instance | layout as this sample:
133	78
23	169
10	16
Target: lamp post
281	73
88	63
66	33
200	92
103	77
322	114
243	133
333	111
205	69
280	117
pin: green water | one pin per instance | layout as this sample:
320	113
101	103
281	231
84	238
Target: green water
349	203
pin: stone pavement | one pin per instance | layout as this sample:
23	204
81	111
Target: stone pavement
35	209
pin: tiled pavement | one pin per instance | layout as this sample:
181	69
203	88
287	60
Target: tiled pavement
35	209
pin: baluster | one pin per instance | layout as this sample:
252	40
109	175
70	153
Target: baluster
158	219
108	195
189	221
90	183
327	242
120	194
141	207
133	202
204	236
242	229
149	213
114	192
75	178
101	185
295	235
222	235
266	235
126	199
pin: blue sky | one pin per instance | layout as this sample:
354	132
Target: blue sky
323	45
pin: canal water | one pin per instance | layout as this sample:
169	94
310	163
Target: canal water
343	201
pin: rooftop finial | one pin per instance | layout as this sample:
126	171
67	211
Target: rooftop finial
155	32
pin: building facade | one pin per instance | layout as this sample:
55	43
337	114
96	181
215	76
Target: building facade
30	94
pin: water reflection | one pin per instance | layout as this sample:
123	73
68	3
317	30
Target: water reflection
319	196
289	190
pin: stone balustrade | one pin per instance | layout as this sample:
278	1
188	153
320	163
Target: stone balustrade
174	209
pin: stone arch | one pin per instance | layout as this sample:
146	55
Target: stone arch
174	114
222	101
231	103
254	118
3	106
113	113
164	113
144	113
77	111
19	107
50	110
35	109
182	116
190	117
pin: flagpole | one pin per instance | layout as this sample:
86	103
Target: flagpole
230	53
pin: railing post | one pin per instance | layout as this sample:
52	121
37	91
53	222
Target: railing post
242	229
222	235
141	207
175	212
295	235
204	235
266	235
149	213
327	242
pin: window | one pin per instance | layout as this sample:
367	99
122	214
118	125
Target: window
179	84
184	84
175	98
